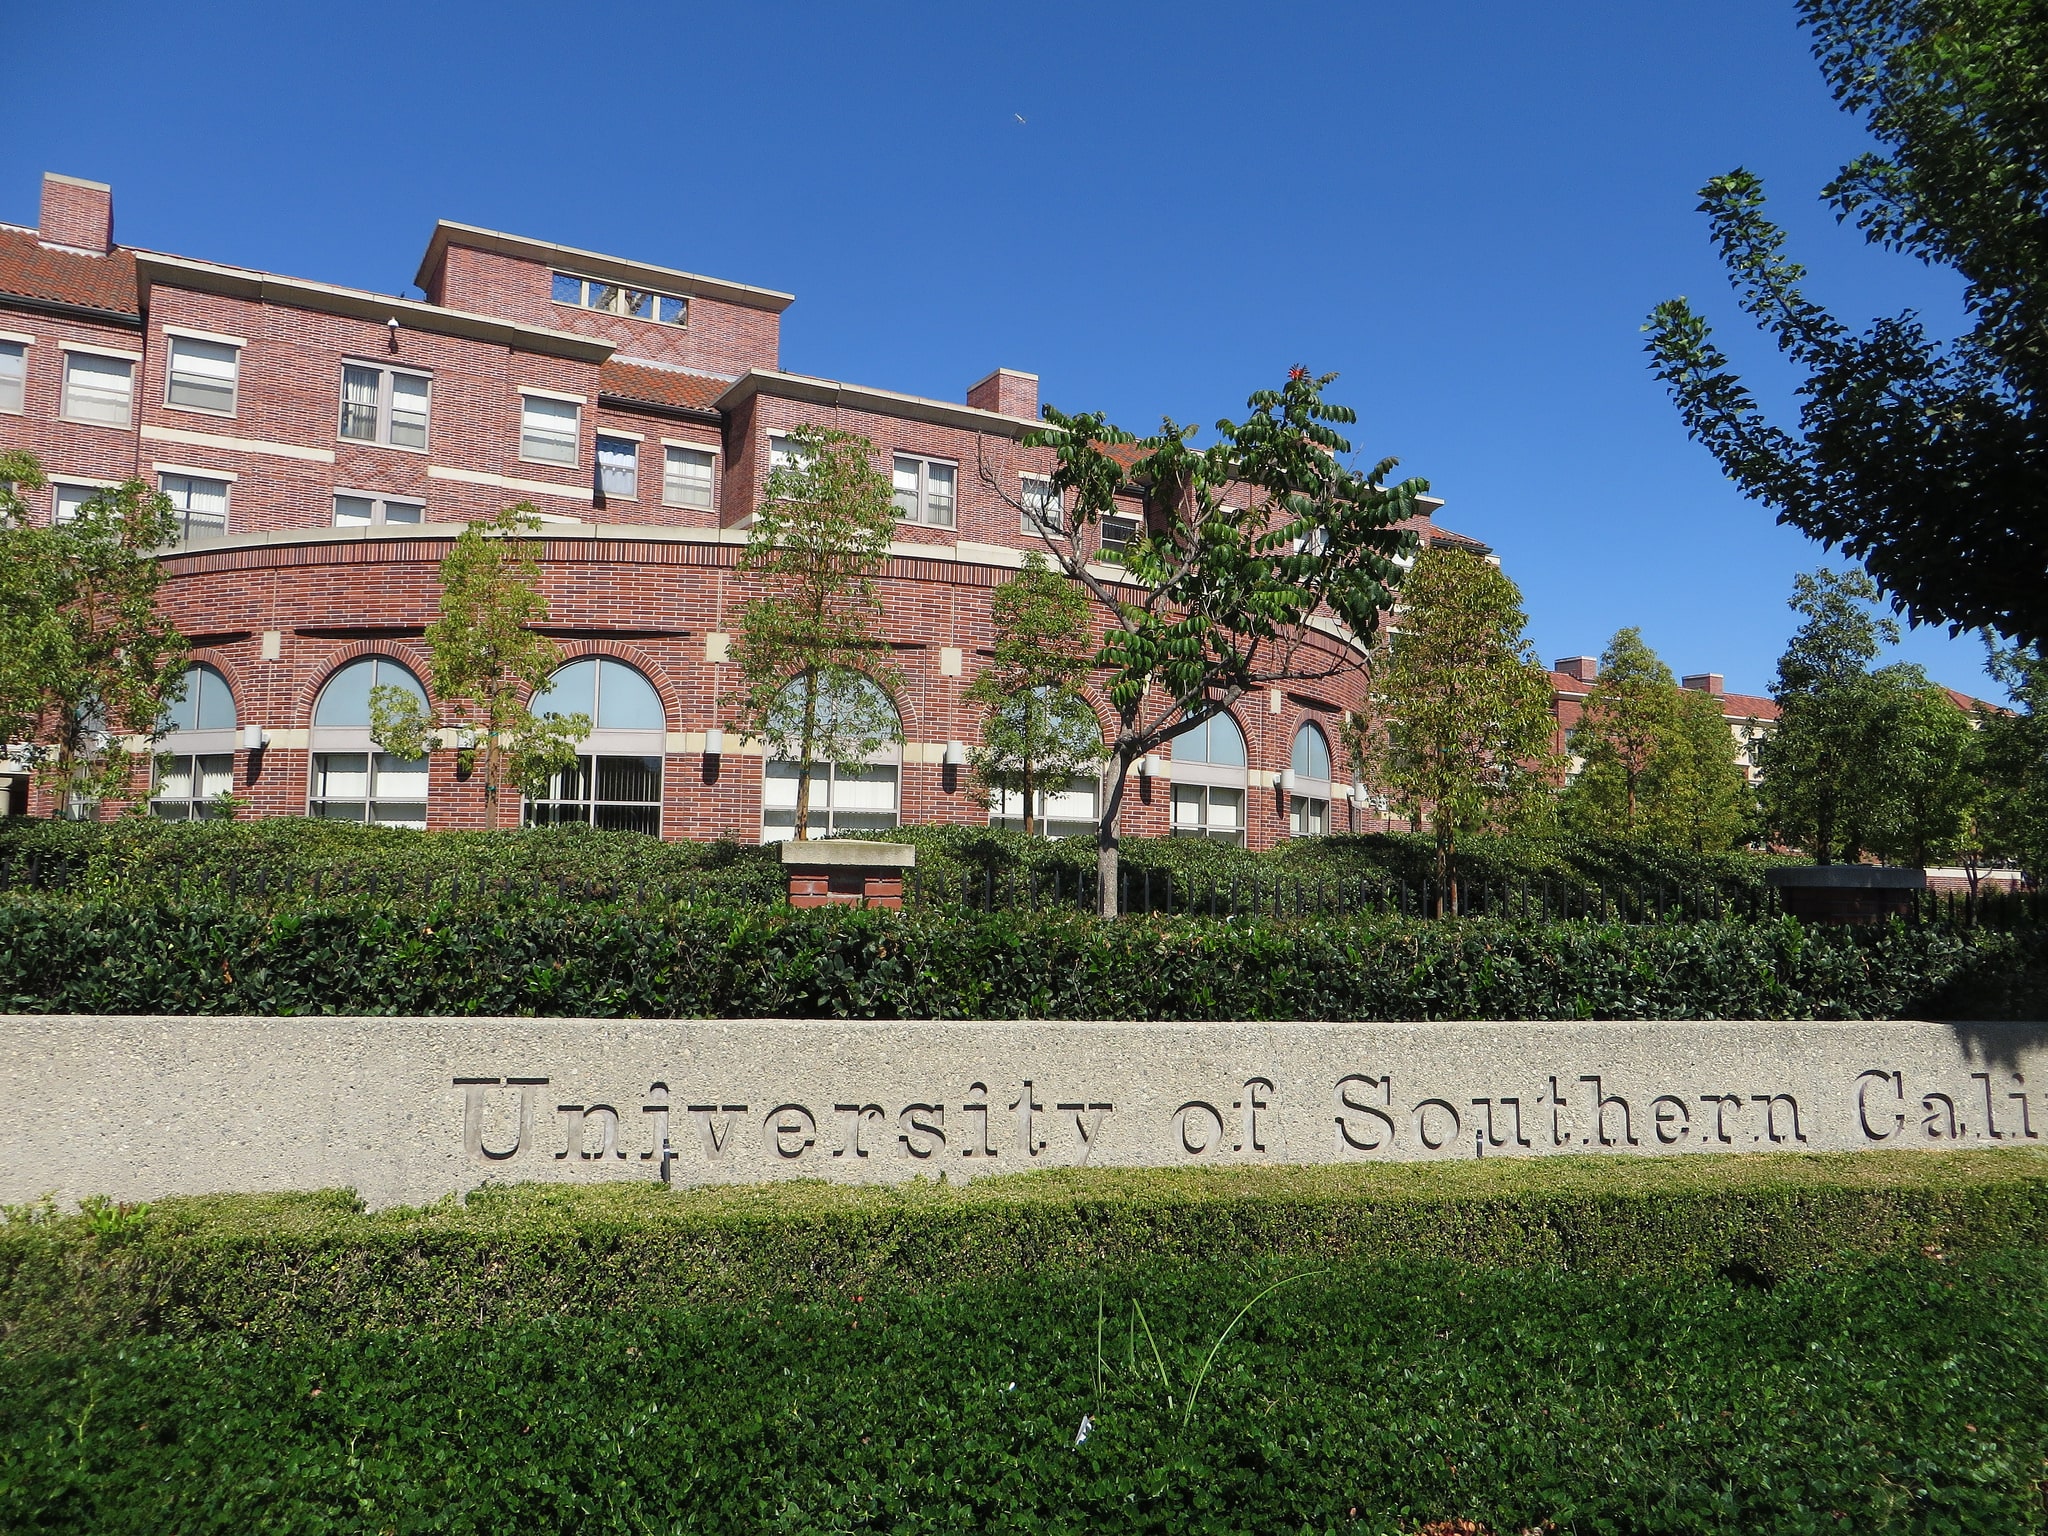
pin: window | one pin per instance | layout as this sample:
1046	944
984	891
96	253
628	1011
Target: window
616	299
356	510
189	787
98	389
1068	811
616	783
13	376
352	779
202	376
67	499
784	452
686	478
201	504
924	491
615	696
548	429
617	794
1042	509
856	797
190	779
384	406
1309	806
208	704
618	466
1210	781
1117	533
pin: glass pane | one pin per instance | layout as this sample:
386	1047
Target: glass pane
635	779
637	303
171	810
175	781
1187	805
403	512
395	813
216	775
341	776
1226	810
1311	753
938	495
906	488
202	374
183	714
626	701
399	778
618	463
97	389
609	297
353	511
343	810
778	787
359	387
571	691
872	788
1074	803
687	478
215	704
673	311
567	289
863	821
629	818
408	410
13	370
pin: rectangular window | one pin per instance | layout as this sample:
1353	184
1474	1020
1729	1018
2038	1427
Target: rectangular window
1042	509
618	794
189	788
203	375
924	490
1308	817
1117	533
201	504
548	429
370	786
618	466
617	299
1211	811
66	499
355	510
859	798
783	452
98	389
686	479
13	376
384	406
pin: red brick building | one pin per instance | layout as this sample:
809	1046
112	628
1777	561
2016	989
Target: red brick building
324	445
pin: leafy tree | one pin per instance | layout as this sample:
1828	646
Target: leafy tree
1701	800
2014	816
1241	547
1926	460
810	659
1932	772
1461	718
85	659
488	662
1037	726
1625	729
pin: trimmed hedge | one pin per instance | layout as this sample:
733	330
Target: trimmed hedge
62	954
286	1265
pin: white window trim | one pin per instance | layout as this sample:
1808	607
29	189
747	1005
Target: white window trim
633	437
24	341
201	410
383	438
19	338
378	500
638	475
670	442
96	350
684	442
198	471
215	337
554	394
925	461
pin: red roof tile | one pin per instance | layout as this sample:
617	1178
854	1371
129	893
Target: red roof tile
33	271
1748	706
660	386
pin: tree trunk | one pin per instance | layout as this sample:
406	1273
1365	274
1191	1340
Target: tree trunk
1443	870
803	768
1106	862
1030	821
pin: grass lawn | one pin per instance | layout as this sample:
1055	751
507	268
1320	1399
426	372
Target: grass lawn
1903	1394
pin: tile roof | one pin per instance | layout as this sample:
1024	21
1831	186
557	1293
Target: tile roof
660	386
31	270
1748	706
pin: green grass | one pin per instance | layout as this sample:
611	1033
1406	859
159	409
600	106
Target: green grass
1904	1393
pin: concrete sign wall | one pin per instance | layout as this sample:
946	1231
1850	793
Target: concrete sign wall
406	1110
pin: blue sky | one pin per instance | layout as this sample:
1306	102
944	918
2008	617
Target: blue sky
1466	209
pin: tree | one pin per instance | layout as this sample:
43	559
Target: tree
488	663
1627	726
2014	816
1930	772
1926	460
1259	561
1037	726
1701	799
85	659
810	659
1461	721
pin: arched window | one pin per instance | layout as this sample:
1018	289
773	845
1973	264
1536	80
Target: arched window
195	763
1309	803
1071	807
353	780
860	797
1209	781
616	783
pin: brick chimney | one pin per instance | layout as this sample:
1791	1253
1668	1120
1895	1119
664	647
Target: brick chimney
1582	668
1704	682
1007	392
78	214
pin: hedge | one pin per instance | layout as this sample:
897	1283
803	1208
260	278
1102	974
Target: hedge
61	954
288	1265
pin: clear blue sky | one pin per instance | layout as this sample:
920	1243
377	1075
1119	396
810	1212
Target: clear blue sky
1466	209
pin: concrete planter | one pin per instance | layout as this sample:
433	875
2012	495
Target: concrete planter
846	872
1847	893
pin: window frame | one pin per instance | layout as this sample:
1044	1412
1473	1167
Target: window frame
75	482
194	807
327	741
1030	521
921	517
631	439
14	341
553	397
587	286
226	482
172	338
382	436
672	446
547	809
1203	828
380	505
69	350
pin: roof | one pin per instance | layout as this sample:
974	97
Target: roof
594	264
1748	706
1433	535
31	270
649	384
881	402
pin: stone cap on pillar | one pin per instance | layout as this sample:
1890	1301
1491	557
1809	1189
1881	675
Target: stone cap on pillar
844	851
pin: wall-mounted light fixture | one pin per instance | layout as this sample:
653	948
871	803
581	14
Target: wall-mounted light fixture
1287	780
956	754
1150	766
254	738
714	742
391	329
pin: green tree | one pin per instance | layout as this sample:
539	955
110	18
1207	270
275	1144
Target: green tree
1931	772
1624	733
2013	820
488	663
1927	460
1240	548
1461	722
85	658
1037	726
811	662
1701	799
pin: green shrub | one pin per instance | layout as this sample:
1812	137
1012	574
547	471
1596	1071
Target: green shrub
65	954
290	1264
